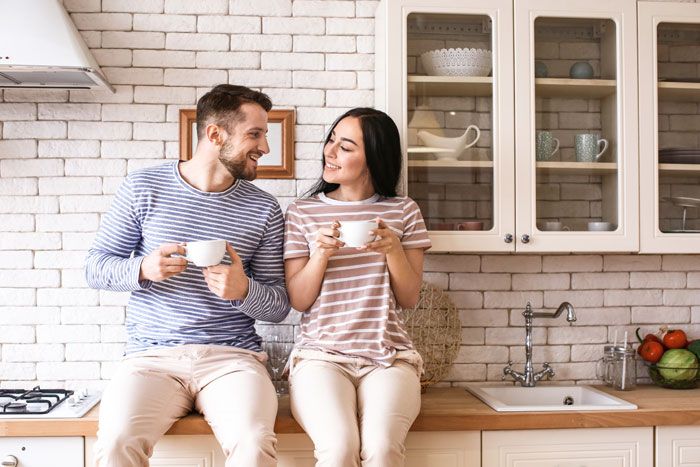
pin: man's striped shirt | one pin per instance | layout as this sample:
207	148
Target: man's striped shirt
156	206
355	313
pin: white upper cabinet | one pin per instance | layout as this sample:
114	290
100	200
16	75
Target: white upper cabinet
669	122
576	125
469	120
454	110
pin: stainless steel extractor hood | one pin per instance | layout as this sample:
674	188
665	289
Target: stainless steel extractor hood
40	47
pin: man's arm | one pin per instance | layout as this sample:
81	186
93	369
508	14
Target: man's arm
267	298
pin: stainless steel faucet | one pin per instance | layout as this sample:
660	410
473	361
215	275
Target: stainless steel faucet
529	378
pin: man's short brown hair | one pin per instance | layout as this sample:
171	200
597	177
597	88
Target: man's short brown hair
222	104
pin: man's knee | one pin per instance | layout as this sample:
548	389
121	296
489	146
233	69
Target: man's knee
122	449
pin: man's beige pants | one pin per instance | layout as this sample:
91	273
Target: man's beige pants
355	414
152	389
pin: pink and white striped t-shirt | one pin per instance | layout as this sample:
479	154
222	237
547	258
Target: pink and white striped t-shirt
355	312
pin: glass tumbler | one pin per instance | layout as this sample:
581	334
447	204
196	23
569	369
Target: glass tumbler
624	369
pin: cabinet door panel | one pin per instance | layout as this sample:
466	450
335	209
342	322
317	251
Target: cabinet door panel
602	447
678	446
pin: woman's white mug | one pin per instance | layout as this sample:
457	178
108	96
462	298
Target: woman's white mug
356	233
206	253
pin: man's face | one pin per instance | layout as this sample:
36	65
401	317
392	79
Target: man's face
246	143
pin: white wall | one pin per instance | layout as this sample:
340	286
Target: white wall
63	154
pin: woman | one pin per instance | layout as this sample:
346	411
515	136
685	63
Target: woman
354	376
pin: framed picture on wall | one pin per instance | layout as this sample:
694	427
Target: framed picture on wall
279	163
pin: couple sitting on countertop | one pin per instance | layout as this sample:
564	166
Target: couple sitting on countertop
354	375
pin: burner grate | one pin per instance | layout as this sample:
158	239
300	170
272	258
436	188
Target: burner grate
34	401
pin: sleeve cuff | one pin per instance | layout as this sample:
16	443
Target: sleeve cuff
248	304
135	270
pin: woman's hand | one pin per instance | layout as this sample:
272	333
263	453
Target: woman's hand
327	243
387	242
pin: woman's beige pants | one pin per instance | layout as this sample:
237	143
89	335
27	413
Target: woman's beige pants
355	414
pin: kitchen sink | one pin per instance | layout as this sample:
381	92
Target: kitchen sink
546	398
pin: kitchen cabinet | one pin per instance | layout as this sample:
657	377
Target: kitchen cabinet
598	447
37	451
669	102
677	446
497	195
423	449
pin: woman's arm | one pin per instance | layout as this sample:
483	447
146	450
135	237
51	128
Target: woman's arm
405	266
304	275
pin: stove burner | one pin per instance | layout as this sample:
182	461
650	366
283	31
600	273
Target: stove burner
34	401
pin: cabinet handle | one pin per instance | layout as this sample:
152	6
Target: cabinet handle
9	461
525	238
508	238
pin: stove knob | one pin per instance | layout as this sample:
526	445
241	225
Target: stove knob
9	461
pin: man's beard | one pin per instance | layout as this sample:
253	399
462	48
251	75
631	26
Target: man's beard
238	168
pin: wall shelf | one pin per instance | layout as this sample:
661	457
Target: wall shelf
579	168
452	164
676	91
571	88
450	86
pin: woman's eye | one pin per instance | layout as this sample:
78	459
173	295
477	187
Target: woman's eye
344	149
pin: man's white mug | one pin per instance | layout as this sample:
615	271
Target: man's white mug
356	233
206	253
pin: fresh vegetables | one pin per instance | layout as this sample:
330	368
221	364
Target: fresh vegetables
675	359
678	365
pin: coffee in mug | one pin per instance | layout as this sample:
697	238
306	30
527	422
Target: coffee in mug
206	253
357	233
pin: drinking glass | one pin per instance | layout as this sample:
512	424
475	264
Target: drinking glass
277	354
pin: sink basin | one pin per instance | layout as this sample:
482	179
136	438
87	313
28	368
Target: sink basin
546	398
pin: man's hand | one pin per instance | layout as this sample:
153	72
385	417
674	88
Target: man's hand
160	265
228	282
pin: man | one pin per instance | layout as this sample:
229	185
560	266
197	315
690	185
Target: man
191	341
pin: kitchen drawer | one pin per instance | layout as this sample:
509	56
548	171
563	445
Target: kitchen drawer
43	452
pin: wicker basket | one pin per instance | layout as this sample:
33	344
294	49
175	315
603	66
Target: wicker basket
436	331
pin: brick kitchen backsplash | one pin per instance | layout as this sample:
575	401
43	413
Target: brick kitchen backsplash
64	153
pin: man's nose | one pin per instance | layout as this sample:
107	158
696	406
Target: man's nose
264	147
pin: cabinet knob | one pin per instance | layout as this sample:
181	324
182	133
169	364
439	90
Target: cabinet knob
508	238
525	238
9	461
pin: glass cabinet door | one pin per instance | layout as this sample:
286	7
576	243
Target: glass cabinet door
669	52
449	89
576	132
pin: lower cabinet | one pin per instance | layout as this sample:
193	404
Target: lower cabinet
678	446
423	449
581	447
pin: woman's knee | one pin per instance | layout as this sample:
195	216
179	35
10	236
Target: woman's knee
340	449
383	451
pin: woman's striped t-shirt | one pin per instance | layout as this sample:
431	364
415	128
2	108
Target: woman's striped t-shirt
355	313
155	206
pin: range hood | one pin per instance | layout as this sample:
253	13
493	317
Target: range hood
40	47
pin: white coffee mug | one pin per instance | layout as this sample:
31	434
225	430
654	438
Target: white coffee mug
206	253
357	233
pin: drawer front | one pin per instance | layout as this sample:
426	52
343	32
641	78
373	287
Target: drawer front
42	452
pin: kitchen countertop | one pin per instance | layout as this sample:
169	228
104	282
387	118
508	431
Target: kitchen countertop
443	409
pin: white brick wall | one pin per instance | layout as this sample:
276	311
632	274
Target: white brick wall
64	153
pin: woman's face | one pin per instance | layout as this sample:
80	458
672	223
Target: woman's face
344	154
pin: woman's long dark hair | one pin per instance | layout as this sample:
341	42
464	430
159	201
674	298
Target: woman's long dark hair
382	151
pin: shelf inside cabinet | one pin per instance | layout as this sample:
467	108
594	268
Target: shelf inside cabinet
452	164
677	91
690	169
451	86
570	88
578	168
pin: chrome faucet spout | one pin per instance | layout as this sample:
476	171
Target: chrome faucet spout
528	378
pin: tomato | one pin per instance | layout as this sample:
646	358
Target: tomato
675	339
651	351
647	338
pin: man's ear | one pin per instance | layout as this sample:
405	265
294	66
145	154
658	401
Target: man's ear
214	134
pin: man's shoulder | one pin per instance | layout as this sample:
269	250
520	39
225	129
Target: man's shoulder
156	172
248	189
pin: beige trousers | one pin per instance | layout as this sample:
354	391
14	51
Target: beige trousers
152	389
355	414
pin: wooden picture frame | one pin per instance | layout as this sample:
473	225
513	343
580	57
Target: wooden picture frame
279	163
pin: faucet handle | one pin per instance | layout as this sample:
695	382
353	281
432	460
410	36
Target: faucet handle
507	370
548	371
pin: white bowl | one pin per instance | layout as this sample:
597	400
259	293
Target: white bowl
457	62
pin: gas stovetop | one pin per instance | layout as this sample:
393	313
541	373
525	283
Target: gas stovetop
46	403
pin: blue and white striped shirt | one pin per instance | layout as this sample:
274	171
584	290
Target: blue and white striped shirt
156	206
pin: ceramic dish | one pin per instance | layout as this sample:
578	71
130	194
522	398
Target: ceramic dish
457	62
